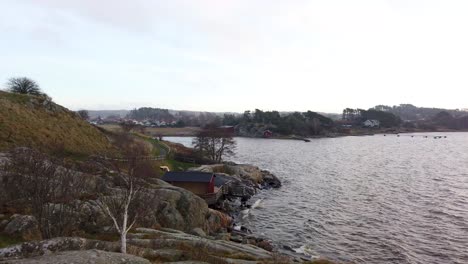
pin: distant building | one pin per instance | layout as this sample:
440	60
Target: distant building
267	133
345	123
96	121
371	123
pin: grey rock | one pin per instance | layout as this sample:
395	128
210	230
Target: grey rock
165	254
3	224
83	257
237	239
244	173
270	180
23	226
168	206
188	262
239	261
165	239
198	232
223	236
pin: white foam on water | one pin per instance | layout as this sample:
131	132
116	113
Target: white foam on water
306	250
257	203
245	213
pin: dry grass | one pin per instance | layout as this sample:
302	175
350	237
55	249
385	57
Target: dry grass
6	241
29	121
160	131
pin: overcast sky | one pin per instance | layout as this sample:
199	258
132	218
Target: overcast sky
222	55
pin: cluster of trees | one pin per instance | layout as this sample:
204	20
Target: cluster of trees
149	113
305	123
409	112
358	116
214	143
201	119
446	120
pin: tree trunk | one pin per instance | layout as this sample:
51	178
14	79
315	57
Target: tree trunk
123	242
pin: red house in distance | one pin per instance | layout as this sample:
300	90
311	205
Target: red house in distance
267	133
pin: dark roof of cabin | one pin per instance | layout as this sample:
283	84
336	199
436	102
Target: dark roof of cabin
220	180
187	176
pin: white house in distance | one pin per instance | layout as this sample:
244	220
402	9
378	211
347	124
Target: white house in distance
371	123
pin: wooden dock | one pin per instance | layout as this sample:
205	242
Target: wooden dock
213	198
226	191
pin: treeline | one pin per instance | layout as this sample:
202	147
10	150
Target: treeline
298	123
409	112
149	113
446	120
358	116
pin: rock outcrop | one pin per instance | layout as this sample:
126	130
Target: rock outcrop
82	257
218	221
59	244
25	227
165	245
222	249
168	206
248	174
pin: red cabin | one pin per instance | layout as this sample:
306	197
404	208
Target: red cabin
267	133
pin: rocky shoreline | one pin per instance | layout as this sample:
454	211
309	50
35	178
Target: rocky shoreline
178	224
252	179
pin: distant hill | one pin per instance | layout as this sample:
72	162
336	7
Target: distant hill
37	122
107	113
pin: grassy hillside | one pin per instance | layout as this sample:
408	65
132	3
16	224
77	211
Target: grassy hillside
36	122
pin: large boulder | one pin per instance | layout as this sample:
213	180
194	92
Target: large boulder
177	208
166	206
83	257
244	173
270	180
25	227
218	221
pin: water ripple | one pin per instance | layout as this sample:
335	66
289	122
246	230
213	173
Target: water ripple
366	199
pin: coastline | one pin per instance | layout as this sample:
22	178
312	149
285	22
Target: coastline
356	133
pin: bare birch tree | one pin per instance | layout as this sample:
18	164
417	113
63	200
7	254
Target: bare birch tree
123	206
124	203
